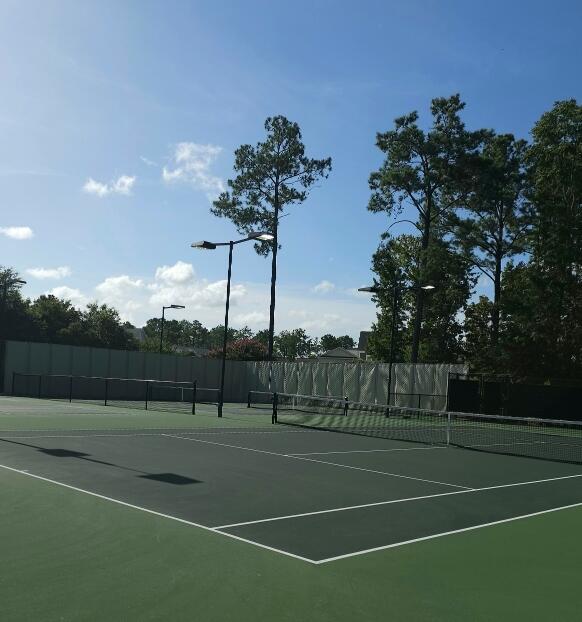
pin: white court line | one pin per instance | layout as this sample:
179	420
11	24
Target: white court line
153	433
394	501
368	451
148	511
337	464
445	533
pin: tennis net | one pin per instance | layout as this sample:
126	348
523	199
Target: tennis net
161	395
547	439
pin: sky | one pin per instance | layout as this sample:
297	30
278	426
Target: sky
119	120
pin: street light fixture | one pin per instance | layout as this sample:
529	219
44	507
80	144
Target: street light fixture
205	245
376	289
163	320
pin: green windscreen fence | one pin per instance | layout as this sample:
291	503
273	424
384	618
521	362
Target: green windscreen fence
512	398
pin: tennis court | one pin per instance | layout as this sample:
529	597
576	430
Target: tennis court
234	516
307	493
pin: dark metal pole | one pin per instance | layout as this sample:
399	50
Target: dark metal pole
275	243
162	328
392	336
225	341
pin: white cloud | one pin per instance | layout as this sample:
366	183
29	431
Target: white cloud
49	273
147	161
191	163
252	319
119	290
17	233
325	287
138	298
69	293
122	185
180	272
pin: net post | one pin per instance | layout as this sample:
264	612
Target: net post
419	398
219	403
194	387
346	405
70	388
275	403
249	399
448	428
13	381
39	386
147	387
106	391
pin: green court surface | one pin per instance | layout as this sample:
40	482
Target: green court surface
92	531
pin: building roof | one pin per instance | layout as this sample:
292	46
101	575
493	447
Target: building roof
342	353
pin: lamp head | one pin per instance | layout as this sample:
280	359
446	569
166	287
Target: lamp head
203	244
264	236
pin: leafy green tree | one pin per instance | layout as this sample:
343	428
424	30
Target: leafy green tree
477	329
426	171
494	226
544	320
452	282
215	336
329	342
15	320
53	318
103	328
271	177
242	350
177	334
292	344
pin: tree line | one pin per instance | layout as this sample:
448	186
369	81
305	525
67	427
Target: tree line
486	209
55	320
492	209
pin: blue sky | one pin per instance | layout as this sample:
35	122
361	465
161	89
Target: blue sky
118	122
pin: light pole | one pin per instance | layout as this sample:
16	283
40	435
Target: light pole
164	319
376	289
205	245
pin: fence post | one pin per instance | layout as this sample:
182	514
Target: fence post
13	380
39	385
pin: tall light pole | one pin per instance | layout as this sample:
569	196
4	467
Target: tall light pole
377	289
205	245
164	319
